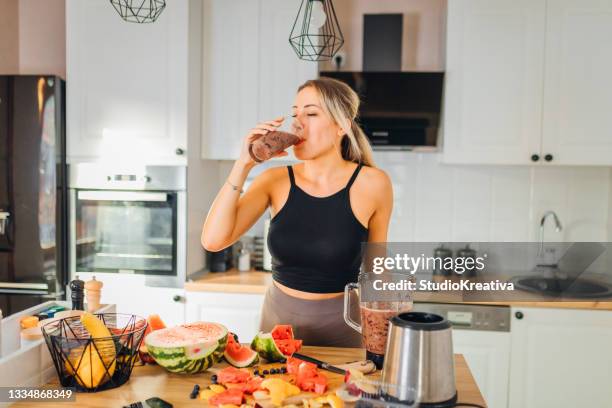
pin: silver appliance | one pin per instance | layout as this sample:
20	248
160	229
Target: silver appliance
419	359
481	333
129	221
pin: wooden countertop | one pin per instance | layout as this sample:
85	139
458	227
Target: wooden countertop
154	381
257	282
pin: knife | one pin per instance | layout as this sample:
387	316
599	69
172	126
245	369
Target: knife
365	366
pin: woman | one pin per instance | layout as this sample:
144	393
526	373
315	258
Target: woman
322	210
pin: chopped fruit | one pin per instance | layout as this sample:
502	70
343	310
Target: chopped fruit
282	332
217	388
279	390
232	375
261	394
276	345
207	394
238	355
335	401
229	396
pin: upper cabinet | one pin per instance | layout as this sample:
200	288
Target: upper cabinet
577	126
126	84
528	82
250	72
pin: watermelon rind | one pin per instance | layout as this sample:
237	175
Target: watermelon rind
264	345
176	360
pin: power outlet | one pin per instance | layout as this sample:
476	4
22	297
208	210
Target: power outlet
339	60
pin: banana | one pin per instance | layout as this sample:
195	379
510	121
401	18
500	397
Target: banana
91	372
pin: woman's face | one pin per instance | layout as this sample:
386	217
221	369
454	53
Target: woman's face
318	130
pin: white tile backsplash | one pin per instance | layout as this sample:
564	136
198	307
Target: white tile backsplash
438	202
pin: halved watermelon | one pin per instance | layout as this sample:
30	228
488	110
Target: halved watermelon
238	355
154	322
188	348
276	345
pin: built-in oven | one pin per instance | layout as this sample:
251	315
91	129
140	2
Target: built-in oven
128	221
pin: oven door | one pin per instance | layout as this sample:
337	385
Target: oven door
129	232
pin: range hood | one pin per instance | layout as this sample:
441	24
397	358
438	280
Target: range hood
399	110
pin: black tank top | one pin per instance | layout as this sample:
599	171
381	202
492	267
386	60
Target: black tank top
315	242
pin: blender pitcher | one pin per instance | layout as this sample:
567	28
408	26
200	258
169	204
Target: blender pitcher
377	304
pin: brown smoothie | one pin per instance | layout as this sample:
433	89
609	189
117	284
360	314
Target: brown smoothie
271	144
375	325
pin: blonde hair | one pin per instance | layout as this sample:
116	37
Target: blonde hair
342	104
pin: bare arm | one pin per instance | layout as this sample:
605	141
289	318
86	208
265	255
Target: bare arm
379	222
231	215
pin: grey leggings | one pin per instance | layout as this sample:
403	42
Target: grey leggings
316	322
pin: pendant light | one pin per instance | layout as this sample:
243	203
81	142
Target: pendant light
139	11
316	34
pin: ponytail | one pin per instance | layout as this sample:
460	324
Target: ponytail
356	146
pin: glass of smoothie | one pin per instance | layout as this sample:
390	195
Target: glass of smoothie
377	304
270	144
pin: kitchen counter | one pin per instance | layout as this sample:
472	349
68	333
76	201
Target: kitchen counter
151	380
256	282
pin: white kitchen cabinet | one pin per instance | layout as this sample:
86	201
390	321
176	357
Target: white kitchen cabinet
577	127
493	84
131	295
527	82
239	312
487	353
126	84
251	73
560	358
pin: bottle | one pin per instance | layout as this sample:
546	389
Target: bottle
244	260
77	294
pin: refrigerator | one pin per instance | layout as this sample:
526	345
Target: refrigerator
33	193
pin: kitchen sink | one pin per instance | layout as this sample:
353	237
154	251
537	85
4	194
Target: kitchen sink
579	288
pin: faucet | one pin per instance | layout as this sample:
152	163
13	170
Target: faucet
558	228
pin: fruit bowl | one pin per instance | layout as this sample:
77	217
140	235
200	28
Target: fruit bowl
91	363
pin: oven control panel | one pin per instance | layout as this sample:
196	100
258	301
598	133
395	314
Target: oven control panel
470	317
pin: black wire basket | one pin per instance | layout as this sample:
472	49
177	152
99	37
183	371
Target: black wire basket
95	364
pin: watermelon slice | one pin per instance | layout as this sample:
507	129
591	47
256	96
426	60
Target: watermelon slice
276	345
232	396
238	355
232	375
188	348
307	375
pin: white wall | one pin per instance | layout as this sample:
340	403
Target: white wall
423	40
610	209
436	202
42	37
9	37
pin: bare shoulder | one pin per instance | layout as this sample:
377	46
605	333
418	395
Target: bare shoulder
272	176
374	180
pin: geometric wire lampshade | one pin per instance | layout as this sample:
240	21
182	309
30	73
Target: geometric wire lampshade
316	34
139	11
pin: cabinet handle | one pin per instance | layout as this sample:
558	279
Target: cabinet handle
177	298
519	315
535	157
548	157
179	151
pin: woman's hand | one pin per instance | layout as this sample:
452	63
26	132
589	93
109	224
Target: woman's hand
255	133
